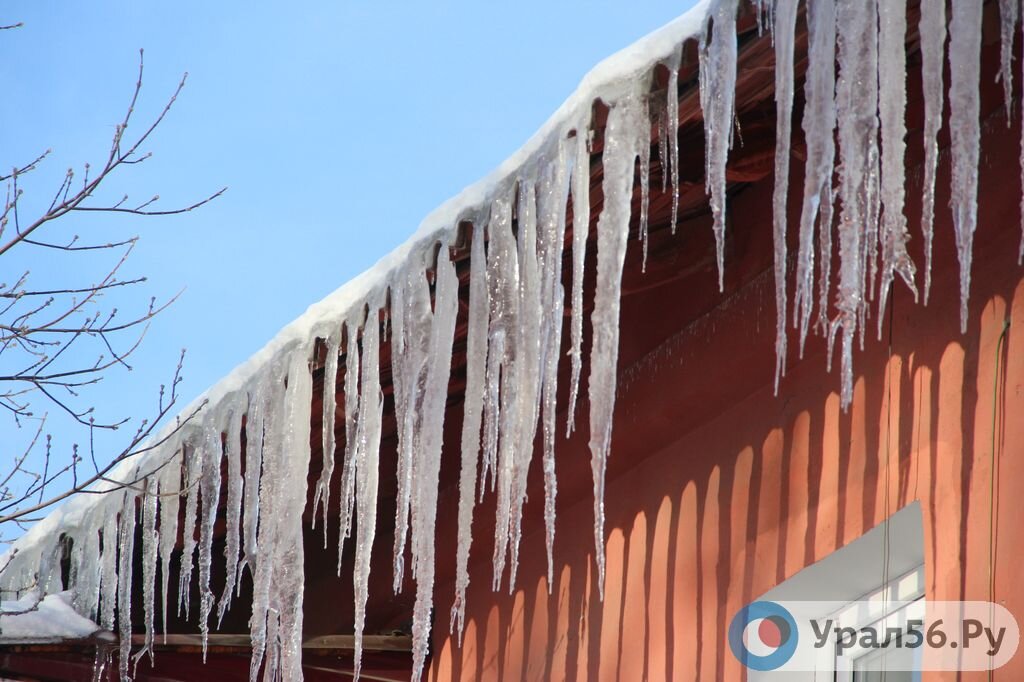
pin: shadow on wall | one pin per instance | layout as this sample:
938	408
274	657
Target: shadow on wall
698	529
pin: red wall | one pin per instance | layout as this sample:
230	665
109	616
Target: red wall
719	490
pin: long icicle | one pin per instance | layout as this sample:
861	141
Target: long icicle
125	562
528	386
553	219
346	496
476	373
892	102
322	496
442	333
1008	13
193	474
150	545
209	484
784	30
857	115
170	491
819	124
580	233
965	134
625	118
932	28
672	112
718	55
236	489
367	458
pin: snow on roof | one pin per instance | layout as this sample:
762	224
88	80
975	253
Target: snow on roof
30	620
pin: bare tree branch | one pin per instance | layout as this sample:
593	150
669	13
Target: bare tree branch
60	338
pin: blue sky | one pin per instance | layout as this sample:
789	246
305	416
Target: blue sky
337	127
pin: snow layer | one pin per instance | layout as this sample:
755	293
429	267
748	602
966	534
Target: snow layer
515	333
52	618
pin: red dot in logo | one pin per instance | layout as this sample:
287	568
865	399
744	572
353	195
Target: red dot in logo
769	633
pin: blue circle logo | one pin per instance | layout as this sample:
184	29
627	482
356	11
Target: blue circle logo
763	626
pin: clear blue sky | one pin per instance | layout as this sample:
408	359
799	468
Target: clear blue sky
337	127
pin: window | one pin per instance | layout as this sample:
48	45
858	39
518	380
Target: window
889	609
880	578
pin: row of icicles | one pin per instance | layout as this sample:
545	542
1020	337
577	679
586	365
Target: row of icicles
516	303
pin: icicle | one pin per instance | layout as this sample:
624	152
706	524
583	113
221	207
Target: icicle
663	133
892	101
767	12
108	563
276	623
150	543
193	474
367	474
126	555
87	574
476	368
718	55
784	29
428	467
867	92
1008	12
505	341
672	110
170	490
323	486
289	572
645	183
580	232
414	297
932	29
528	357
857	117
622	137
211	451
965	133
346	501
262	552
503	287
255	433
825	227
233	452
819	124
528	387
552	215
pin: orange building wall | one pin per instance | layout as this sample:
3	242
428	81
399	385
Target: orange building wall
718	490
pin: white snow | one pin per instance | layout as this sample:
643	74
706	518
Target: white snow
35	620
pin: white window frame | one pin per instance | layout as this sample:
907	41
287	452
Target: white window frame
891	606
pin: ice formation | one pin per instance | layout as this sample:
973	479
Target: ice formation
718	55
819	122
626	132
965	134
932	28
255	425
784	29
